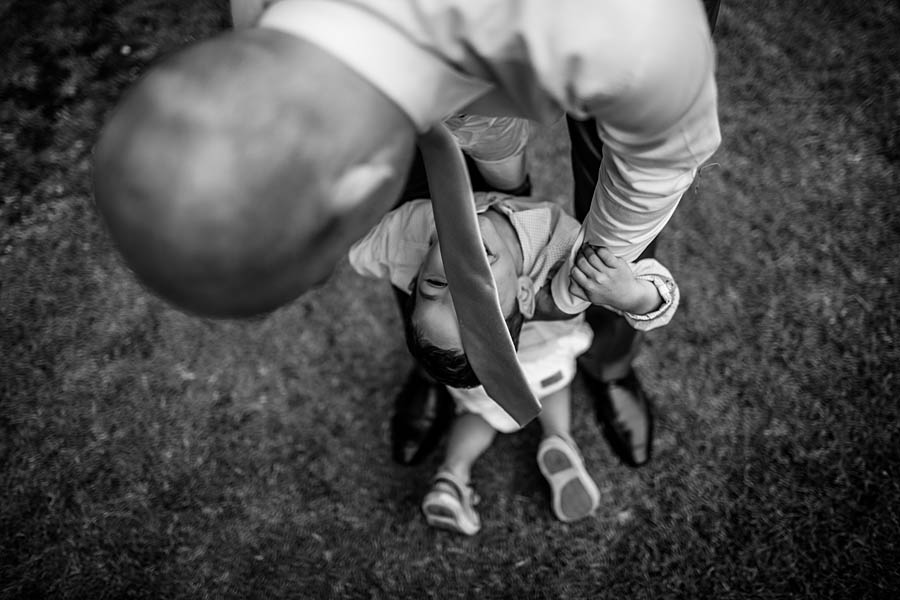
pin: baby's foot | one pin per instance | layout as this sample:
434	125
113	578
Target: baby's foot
575	495
450	505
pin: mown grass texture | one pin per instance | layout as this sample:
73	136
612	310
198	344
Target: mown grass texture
150	454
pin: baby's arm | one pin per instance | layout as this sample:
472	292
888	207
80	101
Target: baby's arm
395	248
644	293
496	145
607	280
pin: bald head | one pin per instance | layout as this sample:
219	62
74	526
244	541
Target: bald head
236	173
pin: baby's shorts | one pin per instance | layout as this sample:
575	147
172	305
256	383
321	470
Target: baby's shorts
547	353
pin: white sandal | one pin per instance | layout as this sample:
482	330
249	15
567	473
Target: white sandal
449	505
575	495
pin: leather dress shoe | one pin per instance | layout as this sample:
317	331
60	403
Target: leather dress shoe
625	414
422	414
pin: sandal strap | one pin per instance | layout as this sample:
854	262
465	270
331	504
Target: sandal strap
568	443
464	491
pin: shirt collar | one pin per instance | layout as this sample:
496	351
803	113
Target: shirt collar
542	242
425	87
530	220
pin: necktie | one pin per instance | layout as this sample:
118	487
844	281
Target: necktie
484	334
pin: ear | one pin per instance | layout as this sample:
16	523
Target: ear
525	296
357	183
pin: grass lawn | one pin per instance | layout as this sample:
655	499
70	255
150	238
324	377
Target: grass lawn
148	454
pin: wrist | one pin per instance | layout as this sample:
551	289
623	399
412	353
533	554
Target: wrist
644	298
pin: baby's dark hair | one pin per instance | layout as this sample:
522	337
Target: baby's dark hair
449	366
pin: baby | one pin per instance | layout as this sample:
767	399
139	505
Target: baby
524	240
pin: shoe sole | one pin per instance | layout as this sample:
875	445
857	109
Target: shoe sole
575	495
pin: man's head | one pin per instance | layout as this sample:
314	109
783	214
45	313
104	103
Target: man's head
432	329
236	173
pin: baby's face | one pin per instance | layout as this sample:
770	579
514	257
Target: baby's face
434	313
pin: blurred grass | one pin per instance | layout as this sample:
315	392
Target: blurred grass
148	454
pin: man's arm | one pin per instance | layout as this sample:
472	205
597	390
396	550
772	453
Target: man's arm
657	130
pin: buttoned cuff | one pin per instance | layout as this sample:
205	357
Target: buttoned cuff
668	291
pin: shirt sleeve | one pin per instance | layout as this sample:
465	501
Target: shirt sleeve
395	248
648	269
657	128
651	270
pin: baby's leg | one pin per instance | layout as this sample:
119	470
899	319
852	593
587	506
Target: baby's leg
556	414
469	437
450	504
574	493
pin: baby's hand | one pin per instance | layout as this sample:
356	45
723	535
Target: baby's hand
601	277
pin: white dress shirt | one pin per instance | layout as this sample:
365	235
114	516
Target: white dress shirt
643	69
